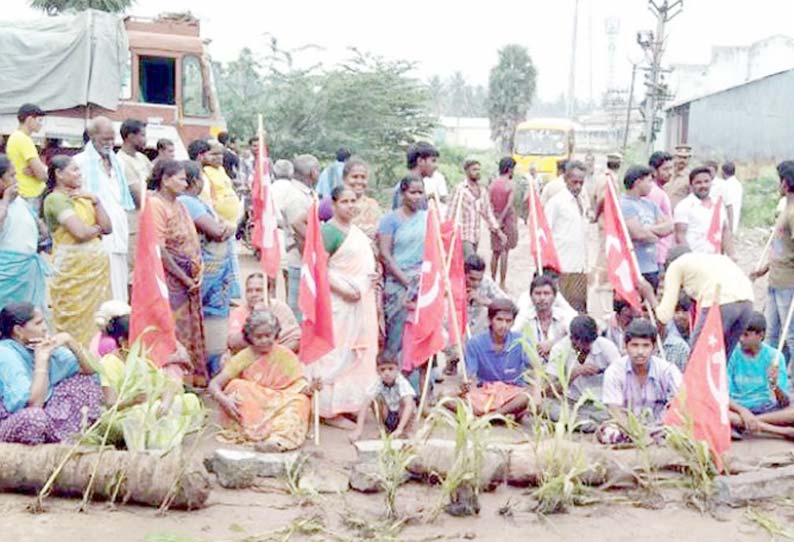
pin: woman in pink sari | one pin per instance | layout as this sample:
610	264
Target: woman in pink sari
349	370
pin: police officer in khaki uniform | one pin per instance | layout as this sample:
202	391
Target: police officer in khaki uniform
678	187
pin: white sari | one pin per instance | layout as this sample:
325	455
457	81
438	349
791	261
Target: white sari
348	372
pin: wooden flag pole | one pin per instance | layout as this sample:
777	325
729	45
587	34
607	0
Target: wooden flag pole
456	334
260	166
533	218
784	330
633	256
765	252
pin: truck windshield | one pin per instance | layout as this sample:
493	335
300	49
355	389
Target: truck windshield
157	80
536	142
195	101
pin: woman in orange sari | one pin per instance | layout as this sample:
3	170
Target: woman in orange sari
181	252
264	397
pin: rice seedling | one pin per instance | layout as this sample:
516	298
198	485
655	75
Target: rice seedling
562	465
137	387
771	525
462	483
393	464
699	466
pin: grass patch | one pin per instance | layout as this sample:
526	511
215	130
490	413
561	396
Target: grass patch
761	196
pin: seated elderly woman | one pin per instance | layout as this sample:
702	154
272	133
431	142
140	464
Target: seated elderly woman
263	395
497	366
47	387
290	334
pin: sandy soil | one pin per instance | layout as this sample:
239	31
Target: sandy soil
251	514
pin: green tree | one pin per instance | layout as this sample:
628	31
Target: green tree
54	7
511	89
371	105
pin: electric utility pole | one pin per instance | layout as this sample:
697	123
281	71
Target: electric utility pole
656	95
572	76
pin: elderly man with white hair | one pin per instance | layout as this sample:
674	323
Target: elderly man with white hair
103	175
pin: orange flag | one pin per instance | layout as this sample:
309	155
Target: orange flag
314	295
714	235
703	395
621	266
540	234
151	308
424	333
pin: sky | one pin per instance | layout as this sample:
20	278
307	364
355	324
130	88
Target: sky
444	36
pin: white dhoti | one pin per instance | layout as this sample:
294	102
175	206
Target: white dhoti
119	277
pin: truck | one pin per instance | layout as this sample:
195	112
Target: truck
91	63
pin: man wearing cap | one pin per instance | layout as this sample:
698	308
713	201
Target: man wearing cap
475	205
678	187
31	172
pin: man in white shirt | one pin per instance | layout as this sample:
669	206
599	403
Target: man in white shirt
436	185
732	192
543	315
694	214
103	175
568	217
555	186
137	169
577	365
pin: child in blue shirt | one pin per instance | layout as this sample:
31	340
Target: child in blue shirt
757	383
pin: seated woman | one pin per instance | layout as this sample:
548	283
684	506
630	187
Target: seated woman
262	392
497	365
290	335
47	387
758	384
103	343
156	413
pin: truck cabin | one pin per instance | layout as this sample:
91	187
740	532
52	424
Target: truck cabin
169	75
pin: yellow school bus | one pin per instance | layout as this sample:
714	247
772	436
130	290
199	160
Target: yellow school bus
543	142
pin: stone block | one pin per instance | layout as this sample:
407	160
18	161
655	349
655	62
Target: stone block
240	468
741	489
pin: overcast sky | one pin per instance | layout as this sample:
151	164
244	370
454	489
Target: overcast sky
443	36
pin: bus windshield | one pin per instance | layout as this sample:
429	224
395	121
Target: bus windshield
539	142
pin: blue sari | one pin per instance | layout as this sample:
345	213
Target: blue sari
219	283
22	270
408	245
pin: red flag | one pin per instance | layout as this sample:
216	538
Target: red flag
703	396
314	295
265	234
424	332
151	308
621	266
456	274
540	235
714	234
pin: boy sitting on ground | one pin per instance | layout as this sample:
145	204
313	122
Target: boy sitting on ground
580	360
392	397
640	383
757	384
497	365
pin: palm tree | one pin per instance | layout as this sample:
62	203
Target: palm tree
54	7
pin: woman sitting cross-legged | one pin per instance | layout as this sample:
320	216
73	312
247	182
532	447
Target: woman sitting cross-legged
264	397
155	412
48	390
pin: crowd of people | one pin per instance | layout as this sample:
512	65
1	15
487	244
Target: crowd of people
68	228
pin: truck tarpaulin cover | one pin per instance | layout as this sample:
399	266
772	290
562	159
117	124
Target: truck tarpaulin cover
63	62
